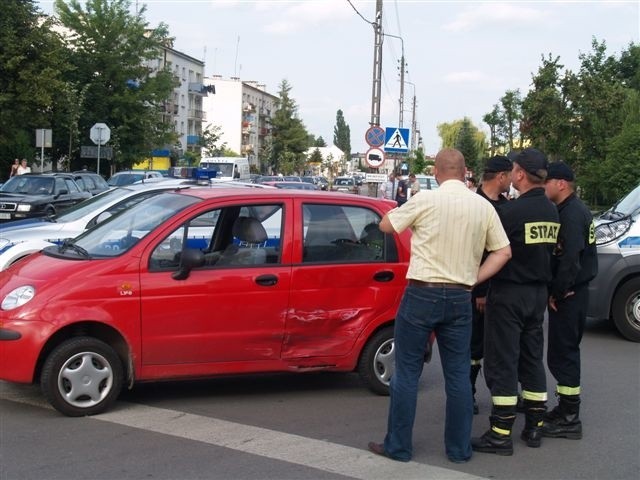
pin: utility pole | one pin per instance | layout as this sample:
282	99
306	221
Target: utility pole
401	87
377	66
413	123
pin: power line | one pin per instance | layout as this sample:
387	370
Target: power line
359	14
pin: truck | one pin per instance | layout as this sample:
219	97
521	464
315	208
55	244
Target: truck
224	168
615	292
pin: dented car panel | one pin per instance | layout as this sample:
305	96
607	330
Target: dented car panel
201	283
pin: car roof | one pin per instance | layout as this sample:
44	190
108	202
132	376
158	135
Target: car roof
276	194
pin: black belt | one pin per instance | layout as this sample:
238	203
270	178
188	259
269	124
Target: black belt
420	283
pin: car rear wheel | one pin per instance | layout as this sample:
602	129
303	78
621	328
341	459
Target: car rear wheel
626	309
82	376
377	361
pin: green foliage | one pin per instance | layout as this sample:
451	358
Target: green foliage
32	65
289	135
320	142
315	157
210	141
494	120
466	137
110	50
342	135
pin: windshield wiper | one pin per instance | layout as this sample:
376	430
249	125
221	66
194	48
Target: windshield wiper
67	243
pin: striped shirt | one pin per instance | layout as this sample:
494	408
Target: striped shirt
451	227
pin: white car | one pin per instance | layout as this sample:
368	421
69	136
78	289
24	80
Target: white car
24	237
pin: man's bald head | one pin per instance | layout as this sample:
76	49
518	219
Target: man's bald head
449	165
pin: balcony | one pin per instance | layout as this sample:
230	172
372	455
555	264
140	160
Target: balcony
248	107
193	139
197	114
201	89
264	112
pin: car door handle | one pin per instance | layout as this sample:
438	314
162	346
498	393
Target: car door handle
385	276
267	280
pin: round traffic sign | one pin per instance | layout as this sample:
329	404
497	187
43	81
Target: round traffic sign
375	136
374	157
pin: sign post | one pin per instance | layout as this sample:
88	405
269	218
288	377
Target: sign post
100	134
43	139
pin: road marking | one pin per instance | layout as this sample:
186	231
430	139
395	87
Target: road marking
308	452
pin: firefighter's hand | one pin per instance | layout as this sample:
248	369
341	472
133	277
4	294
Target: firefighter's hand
480	303
552	304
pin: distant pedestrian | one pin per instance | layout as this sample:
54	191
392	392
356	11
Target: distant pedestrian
14	168
401	191
443	266
387	187
23	168
574	265
414	184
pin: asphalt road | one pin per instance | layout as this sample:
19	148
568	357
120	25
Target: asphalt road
312	427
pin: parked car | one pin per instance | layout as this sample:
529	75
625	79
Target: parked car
38	195
615	292
90	182
127	177
24	237
291	185
427	182
269	178
344	185
205	282
320	183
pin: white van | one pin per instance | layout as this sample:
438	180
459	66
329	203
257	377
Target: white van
226	168
615	292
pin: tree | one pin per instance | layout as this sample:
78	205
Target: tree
289	135
342	135
315	157
32	65
471	142
511	116
494	120
210	141
111	50
320	142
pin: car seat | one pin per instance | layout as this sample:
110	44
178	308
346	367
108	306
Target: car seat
248	248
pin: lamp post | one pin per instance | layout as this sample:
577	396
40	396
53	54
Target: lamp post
413	117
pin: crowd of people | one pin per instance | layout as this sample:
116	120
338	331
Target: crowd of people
483	271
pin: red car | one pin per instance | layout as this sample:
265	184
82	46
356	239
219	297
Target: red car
201	283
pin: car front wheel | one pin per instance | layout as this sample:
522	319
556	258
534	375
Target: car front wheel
626	309
377	361
82	376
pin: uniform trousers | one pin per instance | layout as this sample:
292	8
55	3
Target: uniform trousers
566	327
514	339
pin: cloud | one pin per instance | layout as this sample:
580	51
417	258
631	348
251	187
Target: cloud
501	14
294	17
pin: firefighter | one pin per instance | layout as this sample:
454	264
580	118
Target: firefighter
496	180
516	302
574	265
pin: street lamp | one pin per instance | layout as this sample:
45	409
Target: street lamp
401	101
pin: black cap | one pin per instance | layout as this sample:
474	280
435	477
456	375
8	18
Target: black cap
497	164
533	161
560	171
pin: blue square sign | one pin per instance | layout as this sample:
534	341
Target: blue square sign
396	140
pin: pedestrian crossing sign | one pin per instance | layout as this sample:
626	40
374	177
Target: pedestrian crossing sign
396	140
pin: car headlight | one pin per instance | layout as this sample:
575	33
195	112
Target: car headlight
23	208
18	297
610	231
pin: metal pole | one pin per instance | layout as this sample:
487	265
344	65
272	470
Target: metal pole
401	100
42	152
99	143
377	66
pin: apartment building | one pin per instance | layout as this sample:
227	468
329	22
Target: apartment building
184	109
243	110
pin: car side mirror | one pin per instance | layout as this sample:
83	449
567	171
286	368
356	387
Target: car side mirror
190	258
62	192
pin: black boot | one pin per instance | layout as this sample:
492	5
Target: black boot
534	414
564	420
498	438
475	370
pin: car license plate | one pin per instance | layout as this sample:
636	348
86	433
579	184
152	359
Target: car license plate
5	216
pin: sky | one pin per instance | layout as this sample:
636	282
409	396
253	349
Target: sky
461	56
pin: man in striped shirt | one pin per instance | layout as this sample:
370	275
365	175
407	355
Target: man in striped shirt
451	227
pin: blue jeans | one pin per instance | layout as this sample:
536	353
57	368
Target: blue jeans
448	313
